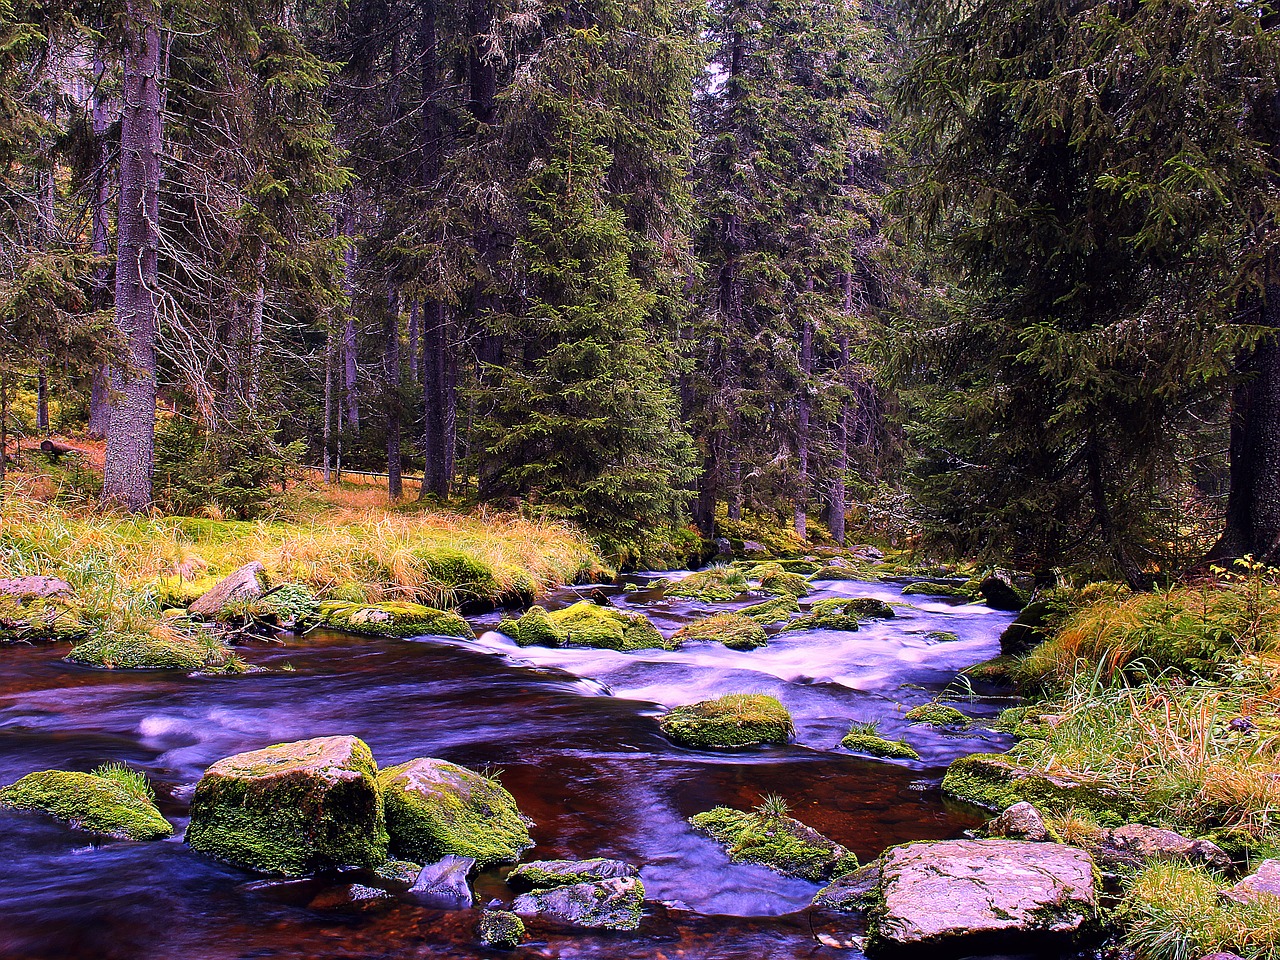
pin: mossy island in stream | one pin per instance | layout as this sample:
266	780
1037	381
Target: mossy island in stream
733	630
736	720
769	837
585	624
113	801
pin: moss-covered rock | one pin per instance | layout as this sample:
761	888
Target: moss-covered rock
776	841
500	929
392	619
241	586
162	648
777	610
865	738
1000	670
937	715
111	801
997	782
457	574
736	720
774	579
712	584
603	905
547	874
31	619
180	591
399	873
586	624
735	631
931	588
437	809
855	892
832	572
292	808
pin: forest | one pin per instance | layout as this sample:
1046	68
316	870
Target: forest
841	435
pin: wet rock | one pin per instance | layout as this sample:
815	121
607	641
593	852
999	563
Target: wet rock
777	610
733	630
444	884
1265	881
292	808
736	720
114	805
401	873
34	587
392	619
864	738
776	580
26	619
937	715
713	584
436	809
1029	630
160	648
935	588
348	895
994	781
615	904
1135	844
246	584
776	841
999	592
546	874
1022	821
501	929
586	624
1003	893
854	892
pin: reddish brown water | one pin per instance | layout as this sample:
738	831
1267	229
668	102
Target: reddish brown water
574	735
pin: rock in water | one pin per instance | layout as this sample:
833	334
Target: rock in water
292	808
615	904
776	841
736	720
546	874
247	583
501	929
444	884
998	893
852	893
436	809
1022	821
88	801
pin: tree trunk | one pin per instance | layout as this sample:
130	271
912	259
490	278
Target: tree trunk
42	402
130	456
99	410
327	432
704	510
1125	564
804	411
415	314
349	346
4	429
391	392
838	504
438	401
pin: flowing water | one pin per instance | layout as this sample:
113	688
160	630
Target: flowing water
575	736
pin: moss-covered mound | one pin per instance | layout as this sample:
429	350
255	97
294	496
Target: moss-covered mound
159	649
179	591
777	610
437	809
30	619
602	905
586	624
937	715
287	605
774	579
930	588
111	801
834	614
865	738
735	631
712	584
392	619
997	782
737	720
776	841
292	808
501	929
547	874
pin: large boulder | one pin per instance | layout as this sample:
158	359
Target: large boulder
111	801
292	808
615	904
244	585
436	809
547	874
396	618
982	893
774	840
999	592
586	624
736	720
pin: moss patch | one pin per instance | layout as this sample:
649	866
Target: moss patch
292	808
712	584
586	624
501	929
928	588
31	619
392	619
776	841
735	631
737	720
436	809
994	781
109	804
159	649
777	610
937	715
774	579
548	874
865	738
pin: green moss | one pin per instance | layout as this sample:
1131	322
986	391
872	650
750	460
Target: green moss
103	802
435	809
586	624
453	573
927	588
178	591
606	905
735	631
501	929
844	573
160	649
349	591
1025	723
737	720
993	781
50	619
292	808
942	636
714	583
775	841
773	579
289	603
392	619
865	738
401	872
548	874
777	610
1000	670
937	715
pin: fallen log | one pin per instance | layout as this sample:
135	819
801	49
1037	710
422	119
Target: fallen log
56	447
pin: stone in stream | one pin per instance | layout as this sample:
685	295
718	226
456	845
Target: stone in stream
436	809
999	592
394	618
444	884
736	720
247	583
586	624
615	904
546	874
774	840
1135	844
1264	881
854	892
292	808
1022	821
111	805
734	630
985	894
995	781
501	929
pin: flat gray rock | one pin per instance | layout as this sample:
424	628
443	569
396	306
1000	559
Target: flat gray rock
444	883
996	891
1265	880
243	584
546	874
615	904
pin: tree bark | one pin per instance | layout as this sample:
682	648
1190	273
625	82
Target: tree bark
349	346
130	455
804	412
415	315
100	118
327	432
437	401
391	392
1125	564
838	505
